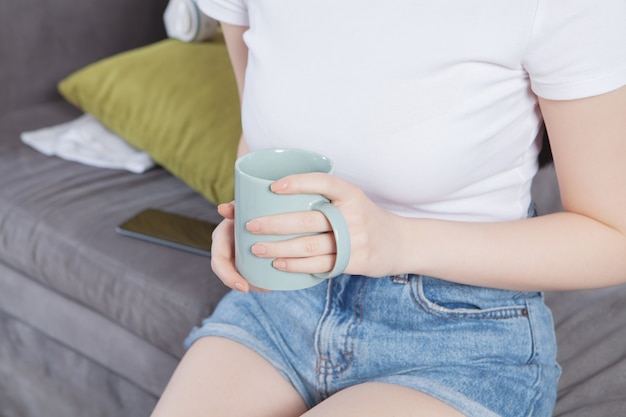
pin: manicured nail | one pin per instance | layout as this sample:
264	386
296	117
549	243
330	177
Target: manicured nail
240	287
253	226
281	265
259	249
279	185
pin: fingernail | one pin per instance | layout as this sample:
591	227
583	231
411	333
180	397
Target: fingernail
259	249
278	264
253	226
279	185
240	287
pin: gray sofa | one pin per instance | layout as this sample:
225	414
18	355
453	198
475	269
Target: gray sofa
92	323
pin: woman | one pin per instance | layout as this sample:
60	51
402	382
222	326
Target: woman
431	113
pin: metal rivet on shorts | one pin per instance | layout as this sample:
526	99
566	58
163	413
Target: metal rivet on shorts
524	312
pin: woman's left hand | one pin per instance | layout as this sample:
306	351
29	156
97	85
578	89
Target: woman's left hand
372	230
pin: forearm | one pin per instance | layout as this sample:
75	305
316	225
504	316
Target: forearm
582	247
555	252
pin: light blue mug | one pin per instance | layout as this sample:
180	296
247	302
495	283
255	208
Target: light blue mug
254	174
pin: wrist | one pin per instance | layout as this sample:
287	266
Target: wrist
406	253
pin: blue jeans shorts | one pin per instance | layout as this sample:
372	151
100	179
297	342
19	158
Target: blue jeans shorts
485	352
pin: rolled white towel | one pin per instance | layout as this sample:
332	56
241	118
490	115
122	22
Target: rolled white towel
184	21
87	141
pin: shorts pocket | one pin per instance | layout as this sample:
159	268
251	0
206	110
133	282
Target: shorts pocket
447	299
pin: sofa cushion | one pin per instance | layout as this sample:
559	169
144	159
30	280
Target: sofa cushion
41	376
57	225
591	337
177	101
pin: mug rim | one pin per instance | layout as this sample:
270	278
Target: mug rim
243	159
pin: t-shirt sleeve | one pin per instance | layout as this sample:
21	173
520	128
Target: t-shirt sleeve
577	48
234	12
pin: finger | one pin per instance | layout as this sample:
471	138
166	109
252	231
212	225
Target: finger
290	223
312	265
223	259
226	272
306	246
227	210
257	289
329	186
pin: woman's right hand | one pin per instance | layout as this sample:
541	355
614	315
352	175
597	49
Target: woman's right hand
223	251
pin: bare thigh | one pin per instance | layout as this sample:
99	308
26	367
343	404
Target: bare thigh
219	377
382	400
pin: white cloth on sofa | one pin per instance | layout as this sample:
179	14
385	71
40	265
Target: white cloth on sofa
87	141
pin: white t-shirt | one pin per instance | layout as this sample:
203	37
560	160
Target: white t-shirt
428	106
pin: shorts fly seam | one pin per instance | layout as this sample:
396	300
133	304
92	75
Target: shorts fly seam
326	370
324	365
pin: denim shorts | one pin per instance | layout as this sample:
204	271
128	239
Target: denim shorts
485	352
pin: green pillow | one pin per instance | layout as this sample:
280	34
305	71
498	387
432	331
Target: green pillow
176	101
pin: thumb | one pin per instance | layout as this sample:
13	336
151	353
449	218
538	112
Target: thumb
227	210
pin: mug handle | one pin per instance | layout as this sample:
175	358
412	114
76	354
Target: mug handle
342	238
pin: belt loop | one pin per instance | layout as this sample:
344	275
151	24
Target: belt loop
401	278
